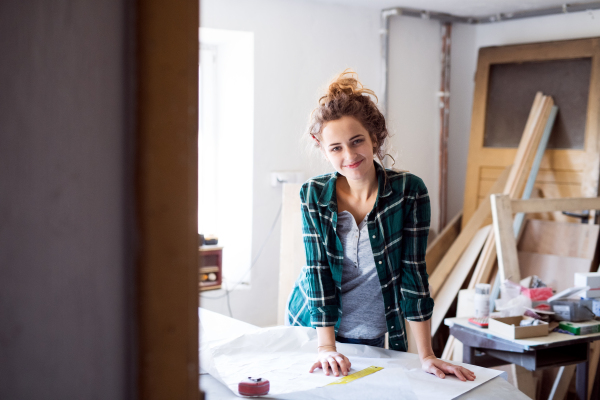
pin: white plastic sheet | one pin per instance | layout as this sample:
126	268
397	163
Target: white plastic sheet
283	355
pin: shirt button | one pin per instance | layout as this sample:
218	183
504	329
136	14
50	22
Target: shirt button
373	236
392	327
380	262
389	307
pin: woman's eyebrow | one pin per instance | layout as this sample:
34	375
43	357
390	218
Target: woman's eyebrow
351	139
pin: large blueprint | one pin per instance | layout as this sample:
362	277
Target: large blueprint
231	351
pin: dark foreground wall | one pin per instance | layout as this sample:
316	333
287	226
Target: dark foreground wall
66	267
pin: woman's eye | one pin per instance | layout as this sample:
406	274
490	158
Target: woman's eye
357	141
335	149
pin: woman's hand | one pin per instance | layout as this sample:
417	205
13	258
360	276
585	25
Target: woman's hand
329	358
440	368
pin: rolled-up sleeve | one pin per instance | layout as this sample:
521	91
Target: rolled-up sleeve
322	301
417	303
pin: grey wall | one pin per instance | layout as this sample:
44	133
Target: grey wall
66	269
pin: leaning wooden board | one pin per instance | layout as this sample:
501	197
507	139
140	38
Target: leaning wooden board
565	172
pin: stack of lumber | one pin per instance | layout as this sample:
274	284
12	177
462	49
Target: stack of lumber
454	267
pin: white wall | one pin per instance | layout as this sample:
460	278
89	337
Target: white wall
466	42
299	47
413	113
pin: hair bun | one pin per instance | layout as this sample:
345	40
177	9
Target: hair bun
345	84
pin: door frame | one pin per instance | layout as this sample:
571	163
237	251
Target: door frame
166	80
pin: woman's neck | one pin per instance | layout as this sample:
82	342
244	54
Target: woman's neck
360	190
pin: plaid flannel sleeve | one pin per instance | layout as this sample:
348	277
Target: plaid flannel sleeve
417	303
321	294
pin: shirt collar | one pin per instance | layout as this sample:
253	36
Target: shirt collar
329	200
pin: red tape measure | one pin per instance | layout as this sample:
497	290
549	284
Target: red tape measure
254	387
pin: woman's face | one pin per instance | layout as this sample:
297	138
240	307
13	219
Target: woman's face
348	147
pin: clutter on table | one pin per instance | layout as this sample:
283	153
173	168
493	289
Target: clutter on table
531	308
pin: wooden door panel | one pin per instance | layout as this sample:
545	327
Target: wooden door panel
563	172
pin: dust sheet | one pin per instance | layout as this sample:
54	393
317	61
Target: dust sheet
283	355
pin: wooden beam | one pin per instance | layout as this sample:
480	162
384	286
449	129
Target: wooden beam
440	274
446	295
534	129
548	205
167	206
562	382
593	361
440	245
506	246
524	381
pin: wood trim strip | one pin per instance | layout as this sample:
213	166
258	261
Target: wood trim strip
442	242
167	203
506	246
446	265
548	205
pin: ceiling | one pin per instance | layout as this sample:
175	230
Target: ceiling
474	8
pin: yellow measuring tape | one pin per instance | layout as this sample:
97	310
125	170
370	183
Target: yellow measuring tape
357	375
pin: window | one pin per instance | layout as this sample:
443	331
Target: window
226	131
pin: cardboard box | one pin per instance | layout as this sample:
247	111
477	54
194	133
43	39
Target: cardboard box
508	327
580	328
591	279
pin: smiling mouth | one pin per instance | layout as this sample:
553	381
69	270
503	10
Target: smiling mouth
356	164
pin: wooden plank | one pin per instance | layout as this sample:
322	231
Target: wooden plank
442	242
292	257
562	382
439	276
524	381
448	352
514	186
548	190
506	246
166	96
545	175
446	295
556	271
465	308
559	238
546	205
594	359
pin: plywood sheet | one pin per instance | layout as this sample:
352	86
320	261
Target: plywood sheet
292	256
556	271
513	85
559	238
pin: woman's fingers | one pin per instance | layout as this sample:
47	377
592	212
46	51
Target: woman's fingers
344	367
315	366
437	372
325	367
459	374
334	366
468	374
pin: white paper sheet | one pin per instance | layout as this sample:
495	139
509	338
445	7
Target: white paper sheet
231	351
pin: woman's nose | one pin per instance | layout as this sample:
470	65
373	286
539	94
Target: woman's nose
349	154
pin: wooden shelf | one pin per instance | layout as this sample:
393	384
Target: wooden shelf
204	286
210	247
212	268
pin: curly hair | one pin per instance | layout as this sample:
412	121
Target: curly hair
346	96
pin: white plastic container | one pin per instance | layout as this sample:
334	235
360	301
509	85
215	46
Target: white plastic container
482	300
591	279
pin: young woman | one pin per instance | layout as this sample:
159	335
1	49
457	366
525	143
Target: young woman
365	234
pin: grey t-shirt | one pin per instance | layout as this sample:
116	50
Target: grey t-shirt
363	314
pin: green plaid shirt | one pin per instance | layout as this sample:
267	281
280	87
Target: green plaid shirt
398	228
